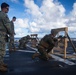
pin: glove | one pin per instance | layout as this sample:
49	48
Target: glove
55	39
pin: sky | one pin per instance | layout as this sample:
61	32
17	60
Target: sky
40	16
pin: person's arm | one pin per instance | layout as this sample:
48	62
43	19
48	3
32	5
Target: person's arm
12	28
6	23
51	41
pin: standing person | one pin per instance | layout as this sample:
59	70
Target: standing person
4	30
11	42
45	45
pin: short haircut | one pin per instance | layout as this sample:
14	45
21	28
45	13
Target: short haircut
14	17
4	5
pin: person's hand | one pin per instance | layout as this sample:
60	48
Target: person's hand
14	33
55	41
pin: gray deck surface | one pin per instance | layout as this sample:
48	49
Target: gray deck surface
21	63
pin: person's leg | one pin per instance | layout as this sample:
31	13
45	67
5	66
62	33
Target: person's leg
35	55
43	53
13	45
48	51
50	48
10	44
2	54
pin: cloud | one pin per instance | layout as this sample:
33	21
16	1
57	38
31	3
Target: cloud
71	20
33	9
22	23
19	32
51	14
20	26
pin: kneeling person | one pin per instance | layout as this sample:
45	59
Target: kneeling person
45	46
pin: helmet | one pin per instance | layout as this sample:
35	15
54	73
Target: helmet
54	32
28	36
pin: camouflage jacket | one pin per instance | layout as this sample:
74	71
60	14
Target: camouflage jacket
5	23
47	41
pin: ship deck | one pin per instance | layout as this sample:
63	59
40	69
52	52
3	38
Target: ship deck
20	62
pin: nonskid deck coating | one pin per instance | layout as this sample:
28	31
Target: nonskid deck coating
21	63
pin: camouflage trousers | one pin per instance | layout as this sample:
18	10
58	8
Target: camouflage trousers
11	42
22	44
2	46
44	52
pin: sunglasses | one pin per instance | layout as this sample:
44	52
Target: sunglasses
7	8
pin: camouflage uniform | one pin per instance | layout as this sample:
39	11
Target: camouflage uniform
45	46
23	41
11	41
4	23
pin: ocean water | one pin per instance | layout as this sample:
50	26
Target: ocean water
16	43
16	39
74	39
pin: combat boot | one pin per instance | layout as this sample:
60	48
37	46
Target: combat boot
35	55
50	57
44	58
3	69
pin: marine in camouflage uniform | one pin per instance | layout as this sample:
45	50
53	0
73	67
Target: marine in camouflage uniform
11	41
45	45
23	41
4	30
